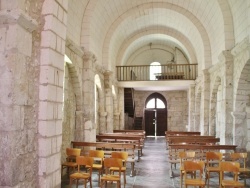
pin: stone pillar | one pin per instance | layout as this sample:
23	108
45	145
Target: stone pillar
227	98
204	108
109	100
121	108
191	108
103	125
52	53
238	130
18	100
89	131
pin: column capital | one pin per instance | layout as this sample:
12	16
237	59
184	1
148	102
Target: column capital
243	45
225	56
17	16
89	56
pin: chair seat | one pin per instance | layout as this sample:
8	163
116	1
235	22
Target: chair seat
245	170
111	178
195	182
79	175
70	164
231	183
95	166
117	169
213	169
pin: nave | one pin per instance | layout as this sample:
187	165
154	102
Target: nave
153	170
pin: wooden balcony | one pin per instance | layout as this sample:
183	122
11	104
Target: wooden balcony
157	72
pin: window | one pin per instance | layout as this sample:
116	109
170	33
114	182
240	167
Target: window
154	68
155	103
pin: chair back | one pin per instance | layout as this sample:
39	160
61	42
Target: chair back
74	152
112	162
85	161
213	156
229	166
96	153
191	166
120	155
238	157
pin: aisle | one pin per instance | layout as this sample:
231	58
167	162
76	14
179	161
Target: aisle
153	169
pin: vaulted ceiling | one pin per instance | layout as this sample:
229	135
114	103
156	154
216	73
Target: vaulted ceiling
114	30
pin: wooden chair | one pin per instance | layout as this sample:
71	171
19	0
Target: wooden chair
120	155
70	163
232	167
87	177
213	160
98	156
108	163
241	158
185	155
191	168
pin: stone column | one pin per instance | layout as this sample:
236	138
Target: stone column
109	100
227	99
121	108
89	130
103	125
238	130
18	99
52	53
204	115
191	108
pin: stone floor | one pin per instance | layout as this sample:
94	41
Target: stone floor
152	171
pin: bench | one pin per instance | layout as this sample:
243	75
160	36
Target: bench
140	132
138	140
202	140
179	133
108	148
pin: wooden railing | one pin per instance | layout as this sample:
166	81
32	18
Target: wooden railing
157	72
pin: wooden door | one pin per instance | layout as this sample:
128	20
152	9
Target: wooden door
161	122
149	123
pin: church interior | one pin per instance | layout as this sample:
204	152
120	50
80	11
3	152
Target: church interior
74	69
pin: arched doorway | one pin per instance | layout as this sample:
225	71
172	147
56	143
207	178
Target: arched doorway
155	115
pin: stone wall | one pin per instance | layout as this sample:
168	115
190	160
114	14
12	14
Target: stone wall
177	107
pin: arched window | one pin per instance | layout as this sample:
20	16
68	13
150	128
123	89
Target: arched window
155	103
154	68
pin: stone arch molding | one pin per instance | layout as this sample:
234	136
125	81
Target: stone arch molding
241	93
189	48
189	15
213	104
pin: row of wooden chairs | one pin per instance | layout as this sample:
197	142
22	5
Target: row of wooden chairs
116	163
214	163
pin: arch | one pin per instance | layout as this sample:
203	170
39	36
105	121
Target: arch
228	24
242	106
165	5
75	76
188	48
213	106
100	112
155	118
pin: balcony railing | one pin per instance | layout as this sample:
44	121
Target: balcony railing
157	72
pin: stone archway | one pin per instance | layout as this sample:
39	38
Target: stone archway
100	113
241	113
196	121
213	107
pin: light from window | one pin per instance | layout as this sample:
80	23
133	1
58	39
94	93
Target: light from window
154	68
151	104
159	103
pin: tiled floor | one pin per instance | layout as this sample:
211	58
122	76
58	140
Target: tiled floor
152	171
